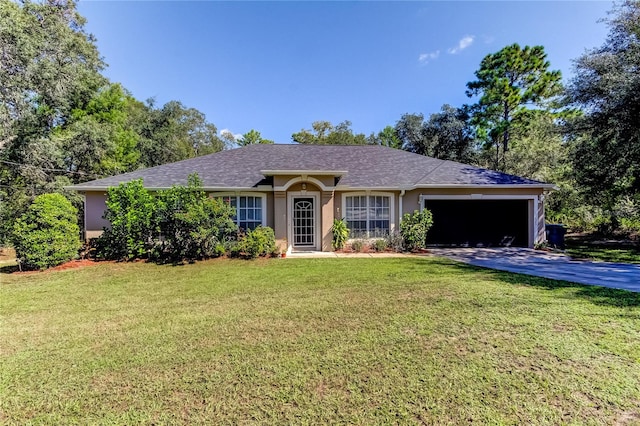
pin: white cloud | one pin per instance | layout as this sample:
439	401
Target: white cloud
464	42
425	58
228	134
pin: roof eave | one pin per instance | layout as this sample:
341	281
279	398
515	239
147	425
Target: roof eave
259	188
547	186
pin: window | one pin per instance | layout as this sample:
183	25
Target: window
368	216
249	210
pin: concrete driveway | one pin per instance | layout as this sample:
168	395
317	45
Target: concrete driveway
548	265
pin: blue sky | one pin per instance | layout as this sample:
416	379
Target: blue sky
278	66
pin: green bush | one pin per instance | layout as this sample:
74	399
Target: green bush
394	241
414	228
259	242
379	245
340	233
181	223
194	226
47	234
357	245
131	211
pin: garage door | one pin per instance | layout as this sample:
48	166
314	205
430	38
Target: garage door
472	223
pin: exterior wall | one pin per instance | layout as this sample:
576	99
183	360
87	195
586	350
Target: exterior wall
94	208
277	209
283	180
269	211
411	199
327	200
542	235
338	212
280	217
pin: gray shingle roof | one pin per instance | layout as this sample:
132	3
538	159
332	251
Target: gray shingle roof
366	166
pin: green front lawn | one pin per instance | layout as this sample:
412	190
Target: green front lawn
364	341
623	253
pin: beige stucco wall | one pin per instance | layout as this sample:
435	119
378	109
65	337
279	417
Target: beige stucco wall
541	236
94	208
270	219
284	180
330	207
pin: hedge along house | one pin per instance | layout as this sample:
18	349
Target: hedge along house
299	190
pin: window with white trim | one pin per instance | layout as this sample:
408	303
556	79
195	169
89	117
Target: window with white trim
368	216
249	210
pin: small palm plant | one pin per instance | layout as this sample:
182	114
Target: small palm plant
340	233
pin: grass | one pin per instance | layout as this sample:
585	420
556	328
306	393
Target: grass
364	341
604	251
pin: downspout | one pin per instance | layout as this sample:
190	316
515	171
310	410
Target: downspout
402	192
84	215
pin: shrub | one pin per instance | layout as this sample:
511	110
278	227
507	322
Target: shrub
194	226
379	245
357	245
181	223
259	242
340	233
394	241
414	228
47	234
131	211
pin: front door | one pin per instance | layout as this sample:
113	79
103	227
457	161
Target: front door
304	223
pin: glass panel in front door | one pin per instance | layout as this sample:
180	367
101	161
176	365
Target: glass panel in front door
304	227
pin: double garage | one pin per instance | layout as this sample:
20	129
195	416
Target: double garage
481	222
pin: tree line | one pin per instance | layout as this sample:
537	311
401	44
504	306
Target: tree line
63	122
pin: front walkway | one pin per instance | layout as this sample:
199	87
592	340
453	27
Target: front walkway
556	266
314	254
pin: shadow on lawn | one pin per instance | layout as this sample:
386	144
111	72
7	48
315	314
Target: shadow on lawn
595	294
9	269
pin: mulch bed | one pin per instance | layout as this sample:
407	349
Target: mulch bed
72	264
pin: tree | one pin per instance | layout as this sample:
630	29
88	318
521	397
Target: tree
252	137
49	66
410	131
62	122
541	152
47	234
175	133
447	135
386	137
325	133
606	154
99	138
510	83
